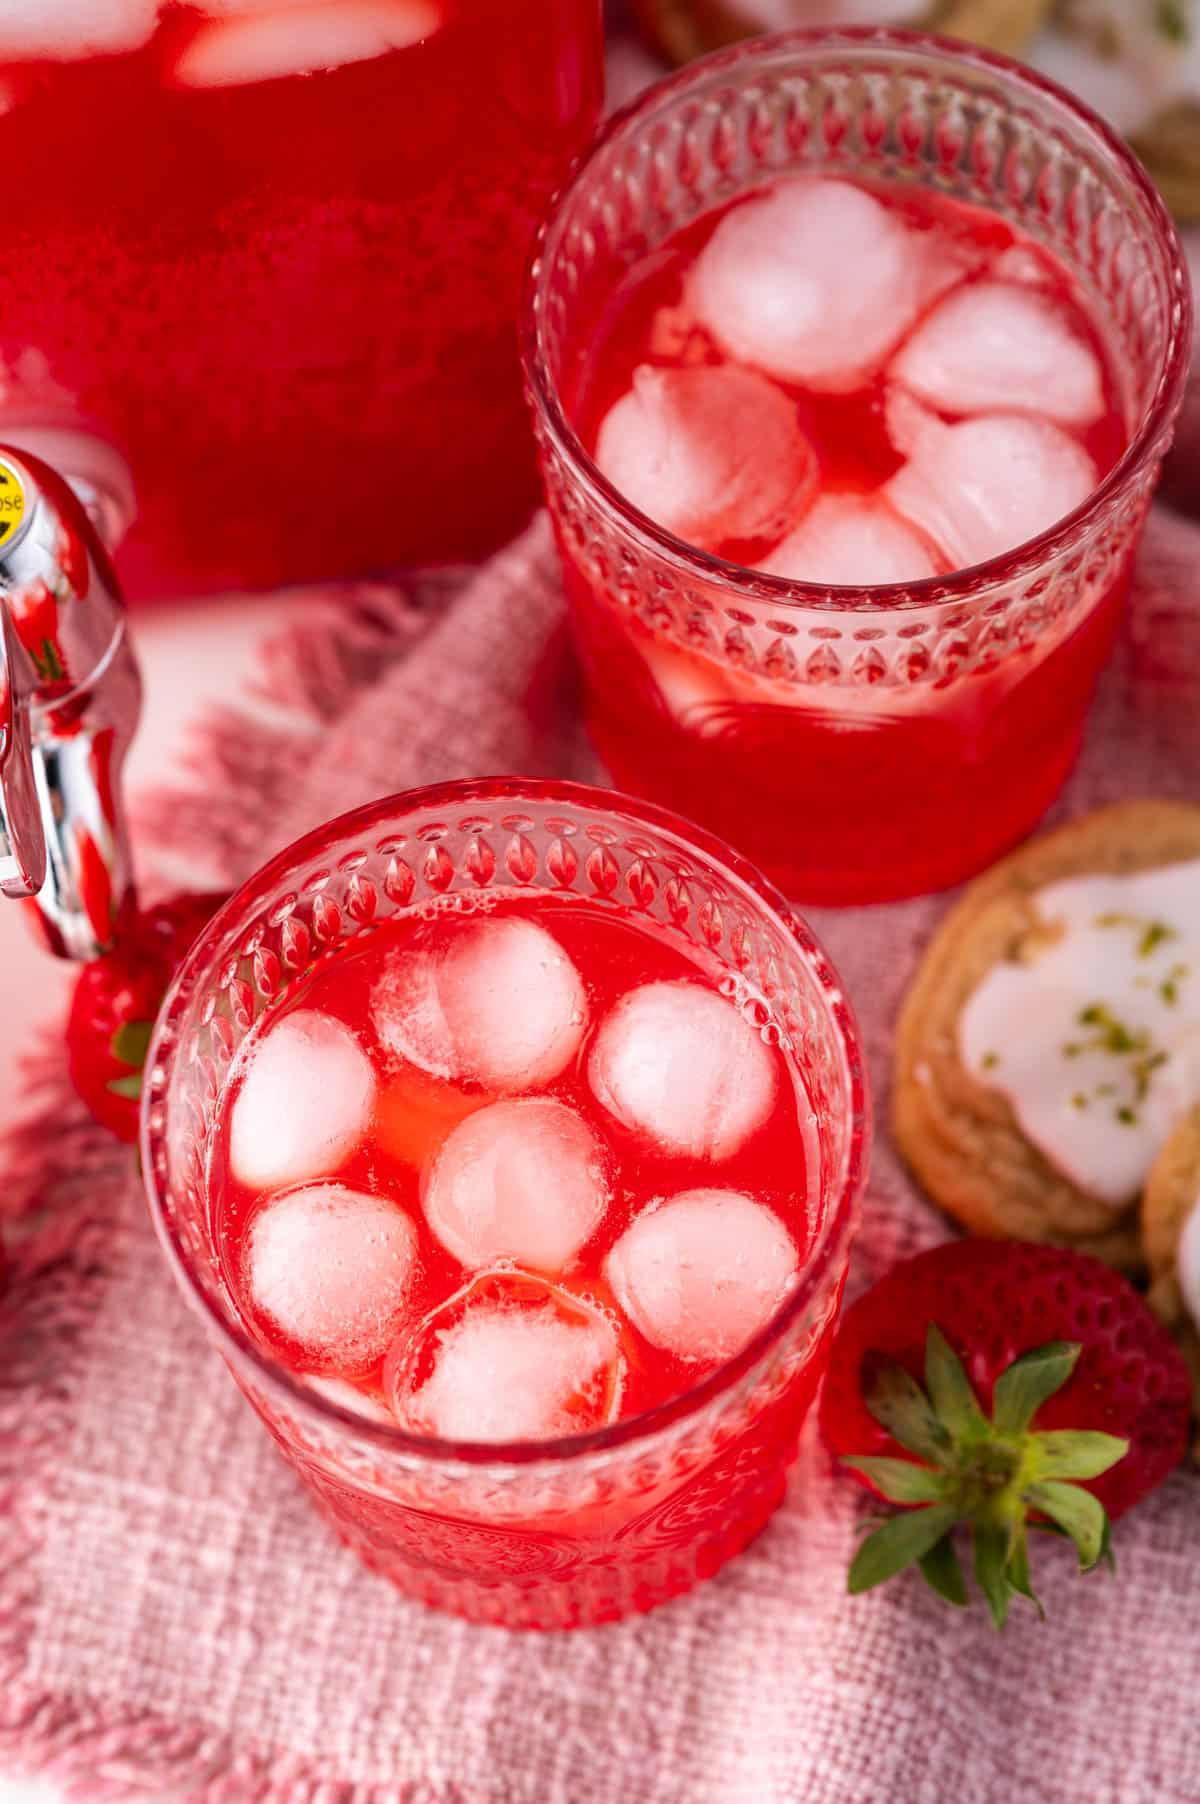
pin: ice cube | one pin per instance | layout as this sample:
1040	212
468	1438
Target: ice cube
300	39
690	685
331	1268
677	1062
814	281
522	1180
509	1358
349	1396
303	1103
710	454
1020	263
853	540
69	30
985	486
994	347
500	1005
700	1273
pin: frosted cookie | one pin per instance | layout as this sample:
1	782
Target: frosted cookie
1171	1237
1050	1042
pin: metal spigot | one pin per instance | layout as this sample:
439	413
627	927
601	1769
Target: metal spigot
70	695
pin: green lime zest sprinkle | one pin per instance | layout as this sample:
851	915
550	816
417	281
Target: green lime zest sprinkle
1171	21
1168	989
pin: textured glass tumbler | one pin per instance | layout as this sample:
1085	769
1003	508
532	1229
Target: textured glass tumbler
541	1534
857	744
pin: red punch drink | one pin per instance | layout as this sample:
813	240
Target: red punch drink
568	1143
523	1195
270	254
850	410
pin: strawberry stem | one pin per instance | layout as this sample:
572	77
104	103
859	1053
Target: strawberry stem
988	1474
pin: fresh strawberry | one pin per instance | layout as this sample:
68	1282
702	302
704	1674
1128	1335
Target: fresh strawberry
1006	1387
115	1002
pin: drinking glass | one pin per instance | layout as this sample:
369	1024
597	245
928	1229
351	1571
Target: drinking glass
542	1534
858	744
269	258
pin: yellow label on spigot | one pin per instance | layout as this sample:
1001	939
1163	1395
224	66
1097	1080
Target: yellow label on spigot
12	503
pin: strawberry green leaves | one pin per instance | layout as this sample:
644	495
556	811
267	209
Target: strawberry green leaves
129	1046
897	1544
995	1475
1028	1382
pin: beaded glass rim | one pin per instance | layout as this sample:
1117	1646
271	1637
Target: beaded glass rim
1149	441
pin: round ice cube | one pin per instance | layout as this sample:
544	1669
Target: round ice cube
269	43
501	1005
332	1268
509	1358
700	1273
987	485
521	1180
851	541
303	1103
813	281
995	347
711	454
679	1063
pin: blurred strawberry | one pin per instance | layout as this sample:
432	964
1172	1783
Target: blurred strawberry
34	614
116	1001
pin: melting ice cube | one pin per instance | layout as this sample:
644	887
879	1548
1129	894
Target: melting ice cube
985	486
679	1063
501	1005
74	29
994	347
521	1180
510	1358
700	1273
349	1396
267	43
814	281
851	540
303	1104
332	1268
710	454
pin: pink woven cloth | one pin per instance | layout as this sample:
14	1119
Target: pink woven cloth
175	1621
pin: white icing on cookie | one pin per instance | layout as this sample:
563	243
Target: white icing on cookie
1095	1039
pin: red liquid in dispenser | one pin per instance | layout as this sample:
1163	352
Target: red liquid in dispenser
272	255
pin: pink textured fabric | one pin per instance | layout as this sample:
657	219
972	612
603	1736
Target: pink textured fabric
176	1622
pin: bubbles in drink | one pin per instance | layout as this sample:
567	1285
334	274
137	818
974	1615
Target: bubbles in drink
268	43
331	1269
711	453
700	1273
70	30
522	1180
994	347
853	539
983	486
499	1003
679	1063
303	1102
510	1358
814	281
